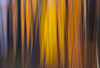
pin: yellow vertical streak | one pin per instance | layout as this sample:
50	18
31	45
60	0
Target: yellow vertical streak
50	12
46	43
61	22
41	32
52	33
48	35
22	32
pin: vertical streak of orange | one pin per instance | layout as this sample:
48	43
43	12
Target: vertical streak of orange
77	29
61	22
70	32
22	32
28	23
